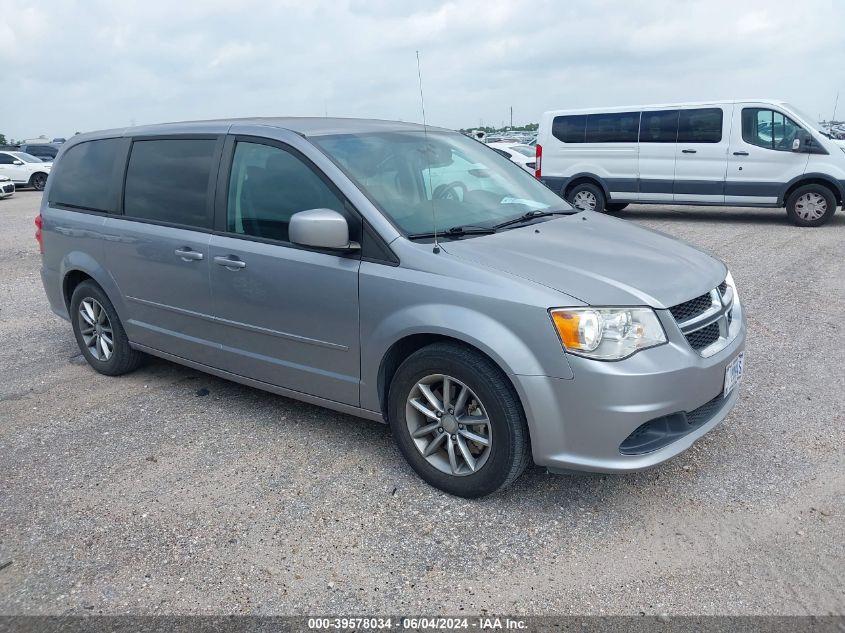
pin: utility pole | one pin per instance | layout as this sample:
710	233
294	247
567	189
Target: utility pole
835	103
511	117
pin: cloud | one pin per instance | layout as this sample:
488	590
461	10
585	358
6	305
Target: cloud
81	65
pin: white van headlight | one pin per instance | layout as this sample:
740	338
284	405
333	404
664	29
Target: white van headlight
607	333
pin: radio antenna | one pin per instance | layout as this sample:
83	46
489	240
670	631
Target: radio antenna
427	158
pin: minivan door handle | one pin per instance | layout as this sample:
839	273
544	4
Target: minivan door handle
188	255
229	262
688	151
740	153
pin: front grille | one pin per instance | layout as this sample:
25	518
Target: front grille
723	287
692	308
659	432
8	188
704	337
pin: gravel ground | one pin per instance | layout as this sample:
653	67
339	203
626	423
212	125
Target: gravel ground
140	495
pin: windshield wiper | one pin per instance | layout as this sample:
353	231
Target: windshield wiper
457	231
533	215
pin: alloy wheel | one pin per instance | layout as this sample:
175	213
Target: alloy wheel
449	425
96	329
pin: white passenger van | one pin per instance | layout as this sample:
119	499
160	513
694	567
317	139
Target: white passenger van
733	153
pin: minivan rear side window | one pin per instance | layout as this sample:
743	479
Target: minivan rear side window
700	125
570	128
168	180
87	176
659	126
615	127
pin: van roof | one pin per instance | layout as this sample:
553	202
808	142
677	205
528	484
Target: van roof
307	126
626	108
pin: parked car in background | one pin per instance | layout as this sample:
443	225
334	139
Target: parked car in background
400	273
7	187
737	153
24	170
522	155
59	140
45	151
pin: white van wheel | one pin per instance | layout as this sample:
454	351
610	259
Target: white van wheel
811	205
587	197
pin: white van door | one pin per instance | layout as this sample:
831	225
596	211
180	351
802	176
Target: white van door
761	160
701	154
658	133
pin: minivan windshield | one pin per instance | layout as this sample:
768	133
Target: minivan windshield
438	179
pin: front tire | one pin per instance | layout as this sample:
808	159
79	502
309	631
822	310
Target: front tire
99	333
587	197
470	443
38	181
811	205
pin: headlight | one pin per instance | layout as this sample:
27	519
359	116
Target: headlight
607	333
730	281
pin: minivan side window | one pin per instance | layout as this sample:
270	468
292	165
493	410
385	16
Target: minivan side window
700	125
168	181
570	129
659	126
87	176
267	186
615	127
769	129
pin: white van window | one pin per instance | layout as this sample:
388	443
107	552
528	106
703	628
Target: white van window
614	127
570	129
659	126
768	128
700	125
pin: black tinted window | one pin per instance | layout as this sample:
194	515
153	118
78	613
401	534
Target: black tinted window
168	181
617	127
267	186
6	159
41	150
701	125
87	176
660	126
570	129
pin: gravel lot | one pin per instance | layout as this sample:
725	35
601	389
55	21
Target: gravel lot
141	495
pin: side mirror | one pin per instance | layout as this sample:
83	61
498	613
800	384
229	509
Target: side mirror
321	228
801	141
17	162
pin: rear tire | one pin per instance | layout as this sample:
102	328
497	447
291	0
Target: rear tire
459	462
99	332
615	207
38	181
810	205
587	197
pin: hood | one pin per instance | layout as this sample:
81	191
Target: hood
599	260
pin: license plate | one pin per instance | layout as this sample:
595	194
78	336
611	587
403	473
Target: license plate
733	374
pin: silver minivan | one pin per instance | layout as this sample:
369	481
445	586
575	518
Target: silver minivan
403	274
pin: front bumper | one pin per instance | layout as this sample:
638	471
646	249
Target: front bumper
579	424
7	188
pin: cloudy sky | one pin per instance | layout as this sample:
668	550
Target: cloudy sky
78	65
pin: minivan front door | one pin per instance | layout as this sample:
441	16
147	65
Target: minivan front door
701	154
289	314
761	161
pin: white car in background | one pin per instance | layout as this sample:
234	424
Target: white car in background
7	187
24	169
522	155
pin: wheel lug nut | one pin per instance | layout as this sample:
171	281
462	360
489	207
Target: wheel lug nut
454	437
451	410
440	430
439	415
461	426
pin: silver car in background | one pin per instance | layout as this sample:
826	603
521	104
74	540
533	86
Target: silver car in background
403	274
